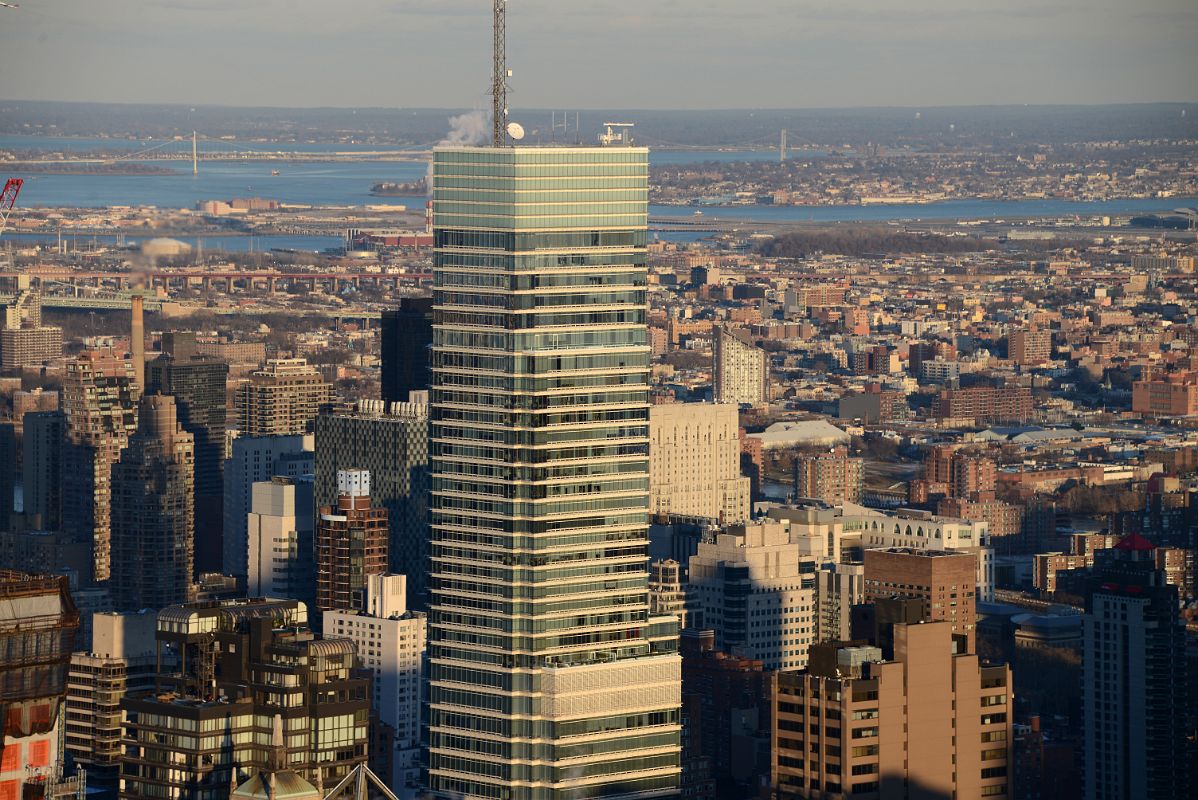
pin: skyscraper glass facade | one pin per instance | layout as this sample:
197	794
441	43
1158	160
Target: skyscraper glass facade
548	677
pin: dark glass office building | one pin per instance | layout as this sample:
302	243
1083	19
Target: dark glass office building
407	337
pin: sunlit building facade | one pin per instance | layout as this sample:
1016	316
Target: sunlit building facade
549	679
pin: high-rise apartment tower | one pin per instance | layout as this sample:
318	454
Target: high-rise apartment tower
1136	692
99	399
741	370
351	544
197	382
153	511
283	398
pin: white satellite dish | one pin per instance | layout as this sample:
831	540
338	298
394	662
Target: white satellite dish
515	130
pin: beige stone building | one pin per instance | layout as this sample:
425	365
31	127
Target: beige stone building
281	399
742	371
838	587
121	661
925	723
24	340
694	462
755	588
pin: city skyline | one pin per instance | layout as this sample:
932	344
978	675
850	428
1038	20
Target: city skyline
810	55
531	469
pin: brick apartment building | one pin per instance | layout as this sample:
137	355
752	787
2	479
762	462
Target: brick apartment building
946	583
985	404
1173	395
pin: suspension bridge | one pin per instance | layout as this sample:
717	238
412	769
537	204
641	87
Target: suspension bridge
197	148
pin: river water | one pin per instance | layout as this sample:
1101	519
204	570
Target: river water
228	244
347	183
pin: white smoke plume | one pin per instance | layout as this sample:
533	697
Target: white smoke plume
471	128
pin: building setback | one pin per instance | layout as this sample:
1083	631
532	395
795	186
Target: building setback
281	399
280	539
24	340
945	583
838	587
390	642
925	724
255	459
667	590
756	589
539	424
227	669
120	661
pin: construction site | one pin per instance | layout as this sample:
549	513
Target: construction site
38	624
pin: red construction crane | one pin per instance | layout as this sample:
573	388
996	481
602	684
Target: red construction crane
8	199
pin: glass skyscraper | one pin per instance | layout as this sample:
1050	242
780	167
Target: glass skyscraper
548	678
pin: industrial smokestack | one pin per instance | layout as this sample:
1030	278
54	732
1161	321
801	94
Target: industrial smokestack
137	343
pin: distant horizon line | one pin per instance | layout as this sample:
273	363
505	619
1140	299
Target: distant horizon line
630	109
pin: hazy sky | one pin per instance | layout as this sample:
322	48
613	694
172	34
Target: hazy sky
596	54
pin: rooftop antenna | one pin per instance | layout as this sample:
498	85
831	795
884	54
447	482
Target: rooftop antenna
564	125
499	76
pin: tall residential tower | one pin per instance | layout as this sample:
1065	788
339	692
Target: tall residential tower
1136	692
153	511
197	382
548	677
99	401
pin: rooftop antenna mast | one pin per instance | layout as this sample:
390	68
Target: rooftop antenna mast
499	76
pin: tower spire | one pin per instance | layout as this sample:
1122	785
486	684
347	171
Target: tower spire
499	75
